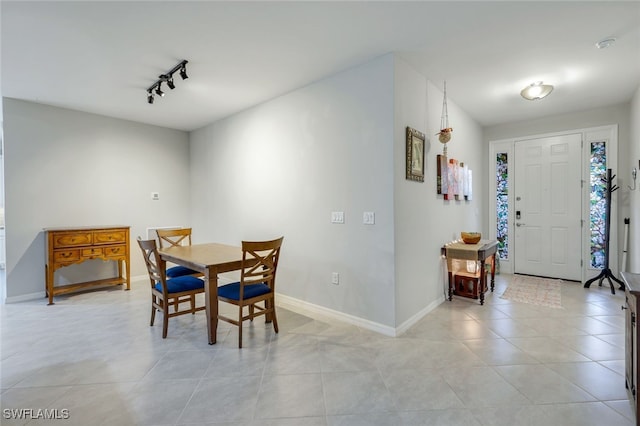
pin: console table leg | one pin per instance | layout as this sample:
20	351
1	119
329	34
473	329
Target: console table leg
49	283
483	281
493	272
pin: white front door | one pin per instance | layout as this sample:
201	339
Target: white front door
548	207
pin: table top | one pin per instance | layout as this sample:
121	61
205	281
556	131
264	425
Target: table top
632	281
202	256
461	250
83	228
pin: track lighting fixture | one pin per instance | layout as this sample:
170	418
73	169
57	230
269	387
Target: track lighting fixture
166	78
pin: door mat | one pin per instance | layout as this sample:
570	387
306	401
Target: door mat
534	290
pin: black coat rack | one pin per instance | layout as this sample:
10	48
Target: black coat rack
606	272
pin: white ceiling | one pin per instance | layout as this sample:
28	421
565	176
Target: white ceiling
100	57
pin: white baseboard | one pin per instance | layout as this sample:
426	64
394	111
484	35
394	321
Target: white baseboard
417	317
26	297
307	308
301	307
316	311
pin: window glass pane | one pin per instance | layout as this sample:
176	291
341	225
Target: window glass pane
597	207
502	205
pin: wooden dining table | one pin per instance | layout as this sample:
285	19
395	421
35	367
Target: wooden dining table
211	259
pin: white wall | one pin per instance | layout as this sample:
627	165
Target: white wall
282	167
633	255
69	168
424	220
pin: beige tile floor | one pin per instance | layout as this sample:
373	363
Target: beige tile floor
504	363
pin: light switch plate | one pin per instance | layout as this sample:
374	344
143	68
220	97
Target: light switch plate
369	218
155	195
337	217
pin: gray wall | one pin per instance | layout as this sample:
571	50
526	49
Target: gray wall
282	167
279	168
424	221
339	144
69	168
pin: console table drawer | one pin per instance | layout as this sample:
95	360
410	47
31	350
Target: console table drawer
90	252
66	255
115	251
74	239
109	237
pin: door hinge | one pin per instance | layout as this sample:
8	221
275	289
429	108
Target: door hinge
581	223
581	263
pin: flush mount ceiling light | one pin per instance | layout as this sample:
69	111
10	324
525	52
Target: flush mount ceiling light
166	78
606	42
536	90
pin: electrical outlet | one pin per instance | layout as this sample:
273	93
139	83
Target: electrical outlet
335	278
155	195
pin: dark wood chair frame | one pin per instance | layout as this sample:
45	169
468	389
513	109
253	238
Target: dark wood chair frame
259	265
161	300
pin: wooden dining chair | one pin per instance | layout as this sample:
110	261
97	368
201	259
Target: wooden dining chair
164	291
257	284
172	238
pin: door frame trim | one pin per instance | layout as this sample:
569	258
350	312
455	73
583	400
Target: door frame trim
608	133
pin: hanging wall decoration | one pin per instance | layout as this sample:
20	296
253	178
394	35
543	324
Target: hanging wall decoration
454	179
444	135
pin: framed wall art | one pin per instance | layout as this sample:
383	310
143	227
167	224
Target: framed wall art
454	179
415	155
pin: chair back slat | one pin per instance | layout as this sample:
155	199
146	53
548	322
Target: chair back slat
161	300
174	237
151	258
259	263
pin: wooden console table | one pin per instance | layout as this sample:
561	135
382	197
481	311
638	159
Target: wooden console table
632	336
483	251
72	245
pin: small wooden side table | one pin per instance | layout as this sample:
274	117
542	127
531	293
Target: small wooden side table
483	251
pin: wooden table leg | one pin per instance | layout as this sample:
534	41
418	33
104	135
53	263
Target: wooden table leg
450	286
211	303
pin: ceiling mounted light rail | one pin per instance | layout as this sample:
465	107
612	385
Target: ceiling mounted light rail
536	90
156	88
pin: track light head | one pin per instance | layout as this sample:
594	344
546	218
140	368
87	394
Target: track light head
156	88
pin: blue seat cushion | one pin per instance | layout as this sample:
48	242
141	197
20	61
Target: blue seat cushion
178	271
232	291
180	284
